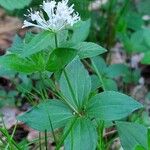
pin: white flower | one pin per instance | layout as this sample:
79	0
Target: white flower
59	16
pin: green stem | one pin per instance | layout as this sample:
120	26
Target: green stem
66	134
53	133
70	87
122	12
101	124
62	97
46	140
99	76
40	144
56	40
95	70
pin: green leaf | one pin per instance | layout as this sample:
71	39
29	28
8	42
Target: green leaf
19	64
132	77
62	36
146	58
131	135
95	82
82	7
83	135
50	112
59	58
8	73
41	41
134	20
148	138
140	44
112	105
110	84
139	147
80	32
80	83
100	64
89	49
7	98
116	70
17	45
14	4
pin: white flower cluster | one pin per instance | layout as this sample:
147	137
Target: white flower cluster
59	16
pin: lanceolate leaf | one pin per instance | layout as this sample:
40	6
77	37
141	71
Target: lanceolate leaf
40	42
111	105
79	81
50	113
80	31
88	49
132	135
59	58
14	4
117	70
83	135
16	63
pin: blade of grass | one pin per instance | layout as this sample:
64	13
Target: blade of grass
8	138
14	130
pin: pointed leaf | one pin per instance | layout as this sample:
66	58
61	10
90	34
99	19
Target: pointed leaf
132	135
51	112
59	58
80	31
19	64
89	49
112	105
40	42
80	82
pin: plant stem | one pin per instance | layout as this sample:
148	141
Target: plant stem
95	70
46	143
53	133
99	76
101	124
40	145
70	87
61	95
56	40
122	11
